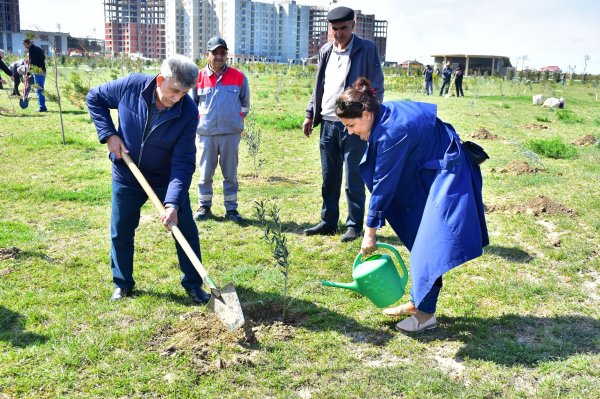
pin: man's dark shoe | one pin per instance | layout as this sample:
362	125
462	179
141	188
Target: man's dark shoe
234	216
42	110
120	293
203	213
350	235
198	295
322	228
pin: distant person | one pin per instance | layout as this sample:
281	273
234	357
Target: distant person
37	65
4	68
157	128
563	78
223	99
19	71
458	78
446	76
340	63
428	76
424	185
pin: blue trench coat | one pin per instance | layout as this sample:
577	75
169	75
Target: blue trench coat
424	185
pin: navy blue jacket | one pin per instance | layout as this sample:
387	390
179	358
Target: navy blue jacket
425	186
364	61
168	155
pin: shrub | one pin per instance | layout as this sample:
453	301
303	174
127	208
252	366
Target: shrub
567	116
553	148
542	118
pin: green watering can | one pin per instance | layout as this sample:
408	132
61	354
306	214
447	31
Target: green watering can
377	278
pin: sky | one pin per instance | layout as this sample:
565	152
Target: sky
532	33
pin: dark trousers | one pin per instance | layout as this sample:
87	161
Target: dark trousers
125	218
459	90
429	303
341	150
445	84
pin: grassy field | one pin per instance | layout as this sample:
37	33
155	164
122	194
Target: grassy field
522	321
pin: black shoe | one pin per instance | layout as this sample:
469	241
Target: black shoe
350	235
198	295
42	110
203	213
120	293
234	216
322	228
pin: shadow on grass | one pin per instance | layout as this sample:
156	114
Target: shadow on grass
267	308
11	330
512	254
519	340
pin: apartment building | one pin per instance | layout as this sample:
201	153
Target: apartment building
10	22
135	27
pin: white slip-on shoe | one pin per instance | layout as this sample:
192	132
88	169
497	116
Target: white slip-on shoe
412	325
399	311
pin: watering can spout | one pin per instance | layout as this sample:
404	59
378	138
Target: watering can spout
349	286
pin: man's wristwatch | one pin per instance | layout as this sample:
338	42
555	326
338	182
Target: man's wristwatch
171	205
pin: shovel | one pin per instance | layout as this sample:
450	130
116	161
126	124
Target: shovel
223	302
24	102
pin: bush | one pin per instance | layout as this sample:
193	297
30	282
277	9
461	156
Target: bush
567	116
553	148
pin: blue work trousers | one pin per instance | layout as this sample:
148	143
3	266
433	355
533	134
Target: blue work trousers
39	80
341	152
125	218
429	303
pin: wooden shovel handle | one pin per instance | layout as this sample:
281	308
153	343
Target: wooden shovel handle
174	229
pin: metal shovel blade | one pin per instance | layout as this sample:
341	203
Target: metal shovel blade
226	305
23	103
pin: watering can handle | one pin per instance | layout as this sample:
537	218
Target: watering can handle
358	259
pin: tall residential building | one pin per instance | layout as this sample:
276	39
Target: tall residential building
10	22
275	31
135	27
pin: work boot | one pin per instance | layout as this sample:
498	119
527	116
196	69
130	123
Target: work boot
322	228
234	216
203	213
120	293
350	235
198	295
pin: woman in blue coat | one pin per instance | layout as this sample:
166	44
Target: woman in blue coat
423	183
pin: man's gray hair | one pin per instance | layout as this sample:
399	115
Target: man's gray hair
180	68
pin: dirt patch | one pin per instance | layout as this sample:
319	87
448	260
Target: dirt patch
535	126
517	168
536	206
588	139
212	347
484	134
9	253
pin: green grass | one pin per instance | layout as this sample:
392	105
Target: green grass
522	321
553	148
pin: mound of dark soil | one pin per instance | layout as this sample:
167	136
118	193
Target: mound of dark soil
588	139
484	134
536	206
517	168
9	253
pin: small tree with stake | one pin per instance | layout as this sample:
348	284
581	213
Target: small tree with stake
272	233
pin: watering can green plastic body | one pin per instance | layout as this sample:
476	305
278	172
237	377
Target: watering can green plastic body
377	277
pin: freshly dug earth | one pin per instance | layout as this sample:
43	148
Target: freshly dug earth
211	347
534	126
536	206
9	253
484	134
517	168
588	139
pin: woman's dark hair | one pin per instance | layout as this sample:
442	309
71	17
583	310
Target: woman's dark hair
356	99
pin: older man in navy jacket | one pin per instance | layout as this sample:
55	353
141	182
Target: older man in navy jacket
157	128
